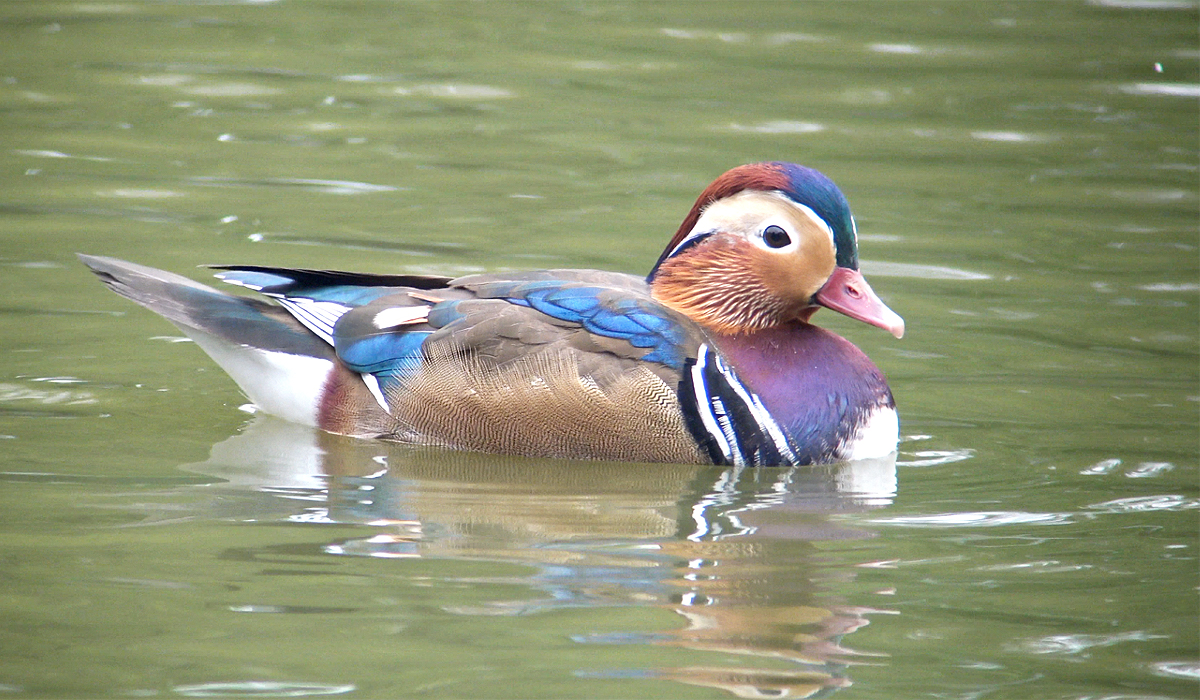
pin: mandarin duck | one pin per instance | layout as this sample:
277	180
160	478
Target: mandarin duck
709	359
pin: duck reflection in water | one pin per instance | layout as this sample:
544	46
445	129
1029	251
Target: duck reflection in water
733	551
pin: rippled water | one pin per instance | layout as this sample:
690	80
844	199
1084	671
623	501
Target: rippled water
1024	177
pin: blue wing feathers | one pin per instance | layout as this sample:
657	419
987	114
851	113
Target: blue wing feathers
614	325
600	310
582	300
343	294
390	355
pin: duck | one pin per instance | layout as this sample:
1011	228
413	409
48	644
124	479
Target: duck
711	358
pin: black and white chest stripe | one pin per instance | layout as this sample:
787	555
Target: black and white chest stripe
729	420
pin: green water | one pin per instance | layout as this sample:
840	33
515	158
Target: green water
1025	180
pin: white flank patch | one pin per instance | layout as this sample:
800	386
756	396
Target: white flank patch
284	385
876	437
400	316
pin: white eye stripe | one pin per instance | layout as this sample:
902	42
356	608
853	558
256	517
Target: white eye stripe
816	219
751	212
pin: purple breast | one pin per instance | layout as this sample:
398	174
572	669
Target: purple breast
817	385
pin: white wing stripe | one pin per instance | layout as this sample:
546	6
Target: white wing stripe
317	316
400	316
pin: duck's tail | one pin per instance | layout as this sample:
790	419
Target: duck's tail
280	364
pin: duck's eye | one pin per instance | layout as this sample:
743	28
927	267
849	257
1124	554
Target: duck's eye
775	237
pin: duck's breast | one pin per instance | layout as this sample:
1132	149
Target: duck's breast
831	401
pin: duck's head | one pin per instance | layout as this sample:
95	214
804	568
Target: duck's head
766	245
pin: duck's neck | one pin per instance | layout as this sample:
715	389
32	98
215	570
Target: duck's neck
818	386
